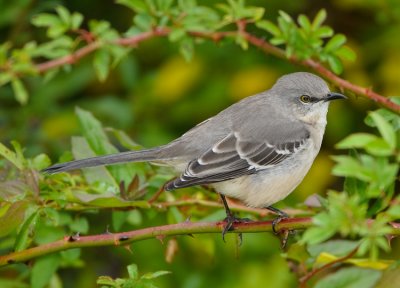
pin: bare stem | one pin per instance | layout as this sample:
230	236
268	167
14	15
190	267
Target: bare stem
303	281
124	238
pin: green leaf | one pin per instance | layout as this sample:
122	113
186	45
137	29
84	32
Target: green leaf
286	17
356	140
11	156
45	20
23	238
186	48
379	147
13	217
394	212
64	14
298	252
315	235
156	274
319	19
80	225
101	63
76	20
43	270
390	277
57	30
176	34
19	90
346	53
108	200
186	5
98	27
133	271
385	129
117	53
323	32
336	247
138	6
164	5
106	280
13	283
335	64
321	232
242	42
269	27
143	21
304	22
355	186
352	277
335	43
348	166
5	78
40	162
134	217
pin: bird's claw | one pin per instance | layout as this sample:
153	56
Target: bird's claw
230	220
284	233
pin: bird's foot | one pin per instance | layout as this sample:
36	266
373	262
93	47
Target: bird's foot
230	220
284	233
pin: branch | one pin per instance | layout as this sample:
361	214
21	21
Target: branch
217	36
303	280
90	48
159	232
324	72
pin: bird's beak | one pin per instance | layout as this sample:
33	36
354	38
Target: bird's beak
334	96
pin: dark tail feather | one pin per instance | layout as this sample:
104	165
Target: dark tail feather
130	156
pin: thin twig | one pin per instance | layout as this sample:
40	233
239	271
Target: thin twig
303	280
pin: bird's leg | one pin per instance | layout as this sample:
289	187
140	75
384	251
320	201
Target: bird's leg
281	216
230	219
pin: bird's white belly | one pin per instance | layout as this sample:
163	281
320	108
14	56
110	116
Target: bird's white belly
268	186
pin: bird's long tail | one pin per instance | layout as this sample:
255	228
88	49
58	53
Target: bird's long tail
130	156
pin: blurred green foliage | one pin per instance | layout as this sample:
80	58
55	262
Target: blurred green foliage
154	94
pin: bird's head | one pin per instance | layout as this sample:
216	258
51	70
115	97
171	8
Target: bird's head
306	95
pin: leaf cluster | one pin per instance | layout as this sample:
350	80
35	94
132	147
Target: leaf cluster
371	173
69	33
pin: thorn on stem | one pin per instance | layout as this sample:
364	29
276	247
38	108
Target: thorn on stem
160	238
73	238
123	238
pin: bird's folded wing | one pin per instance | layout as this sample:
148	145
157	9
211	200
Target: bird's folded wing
233	157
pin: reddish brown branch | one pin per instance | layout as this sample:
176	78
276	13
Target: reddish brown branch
324	72
124	238
217	36
88	49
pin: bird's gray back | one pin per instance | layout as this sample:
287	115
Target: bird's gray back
254	117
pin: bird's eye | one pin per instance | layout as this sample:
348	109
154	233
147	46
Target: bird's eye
305	98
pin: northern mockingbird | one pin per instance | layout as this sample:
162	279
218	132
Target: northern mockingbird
257	150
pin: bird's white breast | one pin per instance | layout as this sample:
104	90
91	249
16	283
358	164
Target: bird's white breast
271	185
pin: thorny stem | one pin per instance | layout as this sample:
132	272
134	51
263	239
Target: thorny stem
217	36
159	232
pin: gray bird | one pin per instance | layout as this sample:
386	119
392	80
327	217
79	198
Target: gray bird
257	150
